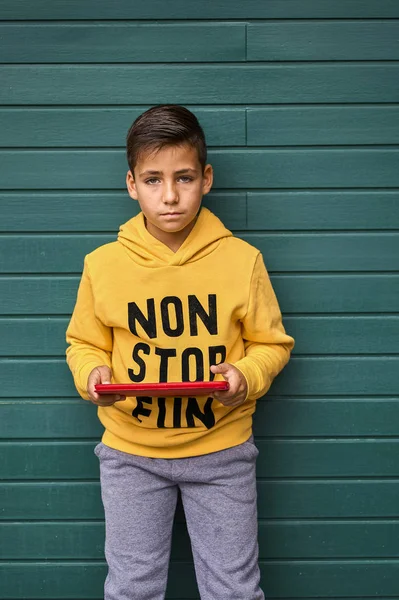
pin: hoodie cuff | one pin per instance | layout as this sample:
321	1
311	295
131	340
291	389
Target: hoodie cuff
250	371
82	377
238	365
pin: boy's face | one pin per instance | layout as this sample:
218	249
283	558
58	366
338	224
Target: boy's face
169	185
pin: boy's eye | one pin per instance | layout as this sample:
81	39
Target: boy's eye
182	178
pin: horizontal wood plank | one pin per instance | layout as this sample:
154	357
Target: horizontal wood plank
85	580
321	376
319	499
282	578
49	253
277	459
49	296
321	125
302	168
38	418
39	211
292	252
106	127
72	419
343	335
242	169
277	500
122	42
207	9
199	42
336	293
52	540
313	335
317	40
20	336
215	84
327	458
324	210
103	211
325	417
288	252
269	126
56	295
317	539
277	540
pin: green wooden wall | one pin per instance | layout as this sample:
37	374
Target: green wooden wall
299	101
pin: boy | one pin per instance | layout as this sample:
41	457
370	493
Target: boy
176	298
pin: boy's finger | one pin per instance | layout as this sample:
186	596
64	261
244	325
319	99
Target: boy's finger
224	395
226	400
221	367
232	402
108	399
105	374
102	402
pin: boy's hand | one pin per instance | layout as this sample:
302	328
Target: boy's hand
237	393
101	375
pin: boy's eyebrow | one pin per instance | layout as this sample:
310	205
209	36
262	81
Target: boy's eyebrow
150	172
186	171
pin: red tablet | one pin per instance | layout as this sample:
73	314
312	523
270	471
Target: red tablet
189	388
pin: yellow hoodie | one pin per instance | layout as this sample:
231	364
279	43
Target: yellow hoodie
154	315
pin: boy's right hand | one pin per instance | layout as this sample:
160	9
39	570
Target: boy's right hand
101	375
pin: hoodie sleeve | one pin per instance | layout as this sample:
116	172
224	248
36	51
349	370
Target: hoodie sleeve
90	341
267	346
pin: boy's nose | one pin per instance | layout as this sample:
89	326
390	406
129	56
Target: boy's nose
170	195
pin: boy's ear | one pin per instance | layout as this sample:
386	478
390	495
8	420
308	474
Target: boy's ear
207	179
131	185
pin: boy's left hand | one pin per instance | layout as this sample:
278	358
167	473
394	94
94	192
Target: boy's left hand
237	393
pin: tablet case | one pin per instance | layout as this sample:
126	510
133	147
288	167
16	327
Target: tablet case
189	388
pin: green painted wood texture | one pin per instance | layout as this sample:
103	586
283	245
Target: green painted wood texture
107	127
314	334
249	168
267	126
306	499
298	293
209	42
321	125
323	210
123	43
304	376
285	578
55	460
285	252
343	210
206	9
99	211
277	83
299	100
62	418
277	539
359	40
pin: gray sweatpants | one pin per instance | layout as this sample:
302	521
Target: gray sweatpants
218	492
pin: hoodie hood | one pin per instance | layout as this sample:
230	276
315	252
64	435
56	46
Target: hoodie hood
144	249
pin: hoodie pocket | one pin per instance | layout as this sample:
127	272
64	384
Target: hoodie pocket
250	449
98	448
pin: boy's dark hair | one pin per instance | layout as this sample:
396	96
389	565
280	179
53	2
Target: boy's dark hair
164	125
